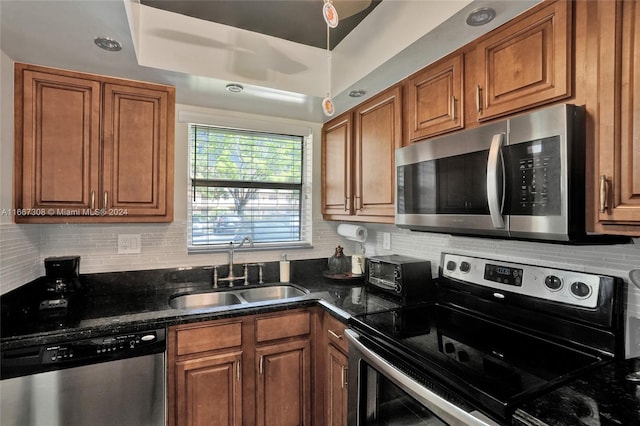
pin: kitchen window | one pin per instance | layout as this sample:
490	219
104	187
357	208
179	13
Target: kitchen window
246	183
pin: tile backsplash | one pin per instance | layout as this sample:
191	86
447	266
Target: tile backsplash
23	248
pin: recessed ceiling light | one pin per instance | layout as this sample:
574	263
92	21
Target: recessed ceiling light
107	43
234	88
480	16
357	93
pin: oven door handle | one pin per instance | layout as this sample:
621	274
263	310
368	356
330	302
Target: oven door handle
442	408
495	195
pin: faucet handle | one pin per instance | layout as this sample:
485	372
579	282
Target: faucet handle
246	274
260	265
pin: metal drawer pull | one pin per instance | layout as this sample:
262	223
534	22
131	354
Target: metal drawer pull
334	334
93	200
106	200
238	370
603	194
261	367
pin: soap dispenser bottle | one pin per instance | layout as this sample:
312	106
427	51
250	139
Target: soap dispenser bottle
285	269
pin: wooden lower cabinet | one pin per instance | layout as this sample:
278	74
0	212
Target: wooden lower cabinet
209	390
250	370
336	387
283	394
335	350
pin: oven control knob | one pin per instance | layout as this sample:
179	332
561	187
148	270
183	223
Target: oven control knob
580	290
449	348
451	265
552	282
463	356
465	267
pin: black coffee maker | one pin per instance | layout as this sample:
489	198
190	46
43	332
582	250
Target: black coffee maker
61	282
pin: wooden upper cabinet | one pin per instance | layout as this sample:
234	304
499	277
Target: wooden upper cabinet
135	150
358	155
618	146
377	134
336	165
526	62
91	148
434	101
57	141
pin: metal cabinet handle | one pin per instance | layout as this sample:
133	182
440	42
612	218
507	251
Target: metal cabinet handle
358	203
334	334
93	200
344	377
346	203
604	194
453	108
478	98
238	370
261	365
106	200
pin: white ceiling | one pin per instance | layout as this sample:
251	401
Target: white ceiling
199	58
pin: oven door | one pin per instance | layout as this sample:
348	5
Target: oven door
380	394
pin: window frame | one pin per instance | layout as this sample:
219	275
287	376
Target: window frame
306	213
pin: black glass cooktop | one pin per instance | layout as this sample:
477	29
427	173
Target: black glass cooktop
488	364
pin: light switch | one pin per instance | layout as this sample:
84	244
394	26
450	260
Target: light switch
386	240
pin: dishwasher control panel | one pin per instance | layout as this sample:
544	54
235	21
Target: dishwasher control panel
92	348
29	360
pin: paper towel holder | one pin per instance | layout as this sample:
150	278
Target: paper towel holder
351	232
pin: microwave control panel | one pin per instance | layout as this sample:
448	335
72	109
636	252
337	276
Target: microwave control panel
535	169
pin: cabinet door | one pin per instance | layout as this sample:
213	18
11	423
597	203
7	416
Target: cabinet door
136	151
378	133
336	388
434	101
526	63
619	118
283	393
57	141
209	390
336	166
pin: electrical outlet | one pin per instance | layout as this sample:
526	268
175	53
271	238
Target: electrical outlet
129	244
386	240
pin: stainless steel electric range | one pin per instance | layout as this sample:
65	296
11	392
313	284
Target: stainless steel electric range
497	335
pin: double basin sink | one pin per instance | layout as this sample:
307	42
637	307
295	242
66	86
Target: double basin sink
235	296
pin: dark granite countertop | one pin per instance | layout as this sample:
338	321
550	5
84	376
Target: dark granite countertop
602	398
122	302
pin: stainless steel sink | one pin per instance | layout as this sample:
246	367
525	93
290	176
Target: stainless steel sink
204	300
236	296
274	292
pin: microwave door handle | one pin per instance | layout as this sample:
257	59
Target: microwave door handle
493	170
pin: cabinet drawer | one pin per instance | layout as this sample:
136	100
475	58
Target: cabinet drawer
209	337
282	326
334	330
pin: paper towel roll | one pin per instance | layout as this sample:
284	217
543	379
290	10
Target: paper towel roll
353	232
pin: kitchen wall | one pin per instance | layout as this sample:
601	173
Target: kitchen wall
23	247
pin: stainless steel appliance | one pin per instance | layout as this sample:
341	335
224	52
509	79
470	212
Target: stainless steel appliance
402	276
103	381
497	335
522	177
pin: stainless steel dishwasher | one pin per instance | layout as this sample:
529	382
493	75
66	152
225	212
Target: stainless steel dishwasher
113	380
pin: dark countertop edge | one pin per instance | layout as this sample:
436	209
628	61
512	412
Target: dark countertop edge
161	319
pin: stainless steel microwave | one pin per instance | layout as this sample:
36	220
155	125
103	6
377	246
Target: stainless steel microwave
521	177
